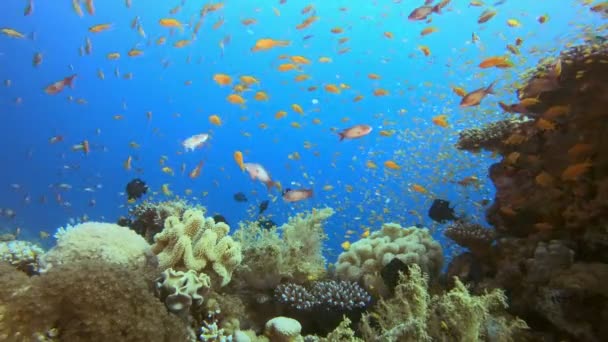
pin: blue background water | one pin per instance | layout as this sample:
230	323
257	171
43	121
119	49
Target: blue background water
419	85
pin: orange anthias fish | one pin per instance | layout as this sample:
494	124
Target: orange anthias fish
195	141
496	61
238	158
58	86
354	132
268	43
296	195
258	172
474	98
196	171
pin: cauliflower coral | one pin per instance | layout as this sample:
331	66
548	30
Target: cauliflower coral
366	257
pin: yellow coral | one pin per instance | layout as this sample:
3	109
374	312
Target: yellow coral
198	243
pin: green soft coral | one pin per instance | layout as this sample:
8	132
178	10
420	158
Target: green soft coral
413	315
295	255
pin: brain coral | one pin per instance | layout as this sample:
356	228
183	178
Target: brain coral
366	257
194	242
98	241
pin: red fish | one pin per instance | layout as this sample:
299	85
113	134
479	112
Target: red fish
354	132
58	86
422	12
296	195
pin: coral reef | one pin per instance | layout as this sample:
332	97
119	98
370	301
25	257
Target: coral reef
23	255
98	241
193	242
492	136
551	200
296	256
413	315
181	290
85	301
365	259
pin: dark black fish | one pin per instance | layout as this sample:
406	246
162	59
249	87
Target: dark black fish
266	224
240	197
441	212
136	188
390	272
263	206
219	218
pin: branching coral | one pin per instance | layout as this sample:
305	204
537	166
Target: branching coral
87	301
99	241
412	315
193	242
296	256
330	295
366	257
23	255
472	236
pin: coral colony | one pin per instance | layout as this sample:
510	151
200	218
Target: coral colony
171	272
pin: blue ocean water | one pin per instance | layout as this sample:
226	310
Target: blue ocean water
338	172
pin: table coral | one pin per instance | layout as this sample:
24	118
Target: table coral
193	242
98	241
366	257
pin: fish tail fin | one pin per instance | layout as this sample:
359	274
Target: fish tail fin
436	9
342	135
69	81
271	184
490	88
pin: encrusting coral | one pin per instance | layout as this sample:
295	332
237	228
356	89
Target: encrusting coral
98	241
365	259
85	301
193	242
413	315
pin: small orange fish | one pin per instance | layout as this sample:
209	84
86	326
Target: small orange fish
496	61
474	98
215	120
441	120
425	50
268	43
355	132
170	22
127	164
58	86
238	158
389	164
196	171
485	16
419	188
332	88
574	171
100	28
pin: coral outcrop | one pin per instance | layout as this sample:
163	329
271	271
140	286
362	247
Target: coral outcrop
283	329
551	200
98	241
365	259
85	301
193	242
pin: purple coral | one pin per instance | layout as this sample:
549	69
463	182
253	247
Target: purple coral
327	295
